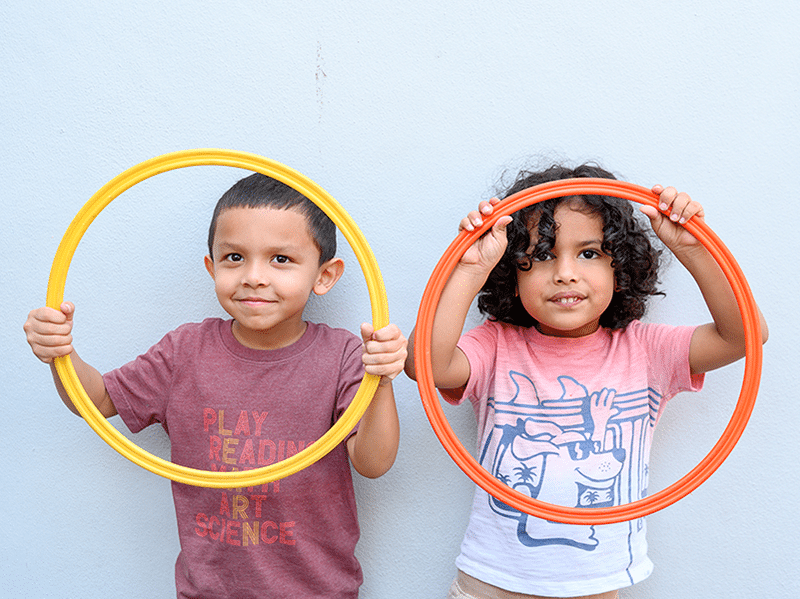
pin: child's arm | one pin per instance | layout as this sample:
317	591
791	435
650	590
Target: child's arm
373	448
722	341
449	364
49	334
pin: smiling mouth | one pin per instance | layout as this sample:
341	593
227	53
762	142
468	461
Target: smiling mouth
567	301
254	300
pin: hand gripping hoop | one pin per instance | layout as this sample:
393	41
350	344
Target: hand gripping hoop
253	162
549	511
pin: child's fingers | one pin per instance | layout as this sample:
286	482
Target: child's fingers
375	353
47	354
475	218
385	358
685	208
470	221
389	369
49	346
487	208
666	195
48	321
677	206
49	331
48	315
502	223
498	231
388	340
68	309
366	331
387	333
650	212
385	351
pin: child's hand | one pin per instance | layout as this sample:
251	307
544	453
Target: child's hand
675	210
384	351
488	250
49	332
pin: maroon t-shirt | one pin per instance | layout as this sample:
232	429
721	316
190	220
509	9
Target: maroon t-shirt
228	407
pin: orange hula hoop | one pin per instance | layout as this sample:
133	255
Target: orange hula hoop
571	515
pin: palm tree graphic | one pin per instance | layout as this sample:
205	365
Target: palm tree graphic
592	497
525	474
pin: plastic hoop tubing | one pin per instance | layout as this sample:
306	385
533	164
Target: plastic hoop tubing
572	515
253	162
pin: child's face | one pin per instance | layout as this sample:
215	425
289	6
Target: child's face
569	289
265	266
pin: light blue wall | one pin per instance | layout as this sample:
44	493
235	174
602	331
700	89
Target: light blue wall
407	113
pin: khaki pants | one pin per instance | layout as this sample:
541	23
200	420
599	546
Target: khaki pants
467	587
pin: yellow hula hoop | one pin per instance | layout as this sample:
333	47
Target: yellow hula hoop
253	162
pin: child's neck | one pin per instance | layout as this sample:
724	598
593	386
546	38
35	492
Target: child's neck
583	331
277	337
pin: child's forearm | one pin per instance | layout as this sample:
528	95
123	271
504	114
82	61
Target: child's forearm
448	364
716	292
722	341
373	448
92	382
451	314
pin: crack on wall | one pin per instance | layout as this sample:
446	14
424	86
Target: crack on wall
320	76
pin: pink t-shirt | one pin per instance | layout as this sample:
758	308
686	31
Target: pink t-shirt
229	407
570	422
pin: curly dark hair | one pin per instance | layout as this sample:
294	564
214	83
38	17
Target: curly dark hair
625	238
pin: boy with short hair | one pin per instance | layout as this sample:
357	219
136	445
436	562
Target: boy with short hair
247	392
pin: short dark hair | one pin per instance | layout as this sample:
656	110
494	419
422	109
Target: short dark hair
625	238
261	191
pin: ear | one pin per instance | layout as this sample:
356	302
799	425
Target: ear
330	272
209	266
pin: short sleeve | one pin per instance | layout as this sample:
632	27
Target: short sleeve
350	375
668	350
479	346
140	388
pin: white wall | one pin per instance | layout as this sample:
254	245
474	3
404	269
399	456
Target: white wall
407	113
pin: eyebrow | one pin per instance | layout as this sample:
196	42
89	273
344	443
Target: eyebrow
229	246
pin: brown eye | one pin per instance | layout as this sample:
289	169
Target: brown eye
542	256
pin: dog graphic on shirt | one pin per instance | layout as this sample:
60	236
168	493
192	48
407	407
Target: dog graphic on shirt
557	455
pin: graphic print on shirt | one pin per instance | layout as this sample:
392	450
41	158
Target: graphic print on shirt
237	442
582	449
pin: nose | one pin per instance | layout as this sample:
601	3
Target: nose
255	275
566	270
